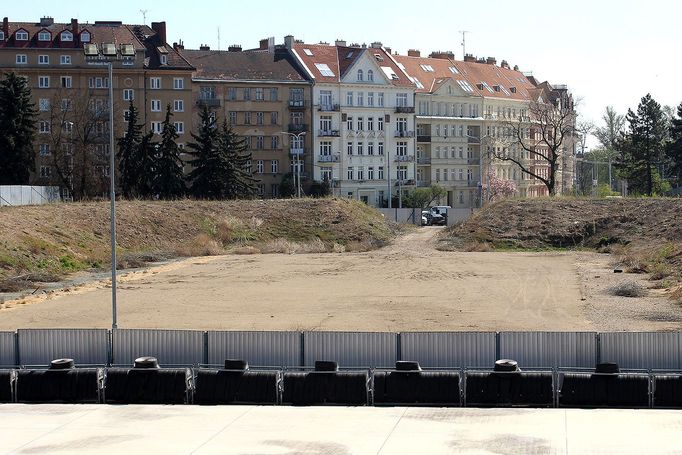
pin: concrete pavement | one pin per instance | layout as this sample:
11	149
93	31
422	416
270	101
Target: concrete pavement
30	429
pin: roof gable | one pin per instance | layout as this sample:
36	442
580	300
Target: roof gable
362	63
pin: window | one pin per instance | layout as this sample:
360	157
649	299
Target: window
44	149
155	83
361	101
360	148
2	35
259	94
178	106
274	118
247	118
259	142
128	94
401	148
44	127
326	99
44	104
178	83
350	173
380	173
370	148
259	167
126	115
465	86
43	60
164	59
401	99
156	106
66	36
380	99
98	82
44	81
259	116
66	81
21	59
231	93
427	68
401	125
325	124
349	123
381	150
361	173
370	75
180	127
85	37
401	173
326	173
261	189
274	189
360	76
274	166
308	52
360	124
247	94
274	94
370	99
233	117
370	123
324	69
380	123
296	94
349	148
64	59
157	127
45	171
349	99
274	142
21	35
325	148
370	173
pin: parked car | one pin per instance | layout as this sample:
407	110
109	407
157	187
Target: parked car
426	218
439	214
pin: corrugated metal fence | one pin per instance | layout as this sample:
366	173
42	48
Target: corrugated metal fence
28	195
631	350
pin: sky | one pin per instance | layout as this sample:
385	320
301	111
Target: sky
608	52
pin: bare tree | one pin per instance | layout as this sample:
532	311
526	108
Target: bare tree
538	143
79	141
609	134
583	130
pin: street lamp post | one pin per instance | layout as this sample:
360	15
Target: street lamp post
297	174
107	55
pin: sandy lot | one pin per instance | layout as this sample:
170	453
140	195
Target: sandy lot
407	286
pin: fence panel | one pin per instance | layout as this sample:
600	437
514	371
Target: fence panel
7	349
408	216
277	349
170	347
28	195
458	215
550	349
351	349
655	350
41	346
449	349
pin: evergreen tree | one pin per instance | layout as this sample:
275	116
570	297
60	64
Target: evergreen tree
169	182
287	188
643	146
674	150
128	154
220	162
17	130
146	167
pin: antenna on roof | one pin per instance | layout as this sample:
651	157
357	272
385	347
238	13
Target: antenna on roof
144	16
464	42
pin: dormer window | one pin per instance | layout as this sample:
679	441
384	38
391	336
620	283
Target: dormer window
85	37
2	35
66	36
44	36
379	57
21	35
164	59
370	75
361	76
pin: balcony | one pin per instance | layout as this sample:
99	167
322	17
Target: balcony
329	133
404	158
208	102
423	138
297	127
423	184
404	134
473	140
405	183
424	160
329	107
328	158
404	109
296	151
473	161
296	104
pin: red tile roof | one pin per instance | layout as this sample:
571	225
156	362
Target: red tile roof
246	65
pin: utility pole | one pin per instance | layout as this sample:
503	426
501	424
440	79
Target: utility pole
464	42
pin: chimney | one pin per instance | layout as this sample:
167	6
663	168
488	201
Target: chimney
234	48
469	58
516	67
204	47
413	53
46	21
160	29
445	55
504	64
340	42
179	46
388	50
74	27
263	44
491	61
5	27
377	45
289	41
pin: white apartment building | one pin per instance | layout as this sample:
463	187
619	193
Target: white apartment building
363	120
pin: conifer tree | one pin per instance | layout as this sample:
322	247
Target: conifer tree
169	180
146	167
17	130
674	150
128	154
239	183
204	177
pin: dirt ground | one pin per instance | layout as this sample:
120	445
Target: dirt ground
407	286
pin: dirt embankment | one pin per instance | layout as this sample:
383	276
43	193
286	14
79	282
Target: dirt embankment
45	243
646	234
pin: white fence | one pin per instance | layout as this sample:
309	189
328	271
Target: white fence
28	195
631	350
409	216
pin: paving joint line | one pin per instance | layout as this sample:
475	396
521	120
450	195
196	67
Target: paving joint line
223	429
392	431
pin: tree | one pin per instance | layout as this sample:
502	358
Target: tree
643	146
17	130
287	188
220	162
320	189
129	154
500	188
674	149
539	144
424	197
146	166
169	179
609	134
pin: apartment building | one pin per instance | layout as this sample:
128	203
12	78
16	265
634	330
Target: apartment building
72	96
265	99
362	119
